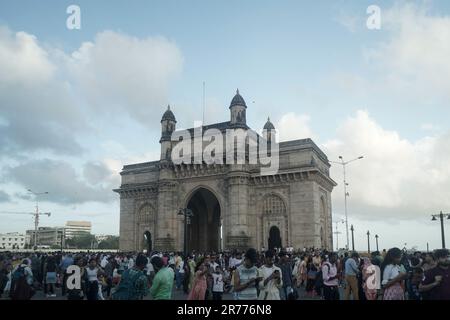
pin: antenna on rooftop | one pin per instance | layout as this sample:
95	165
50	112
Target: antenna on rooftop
203	117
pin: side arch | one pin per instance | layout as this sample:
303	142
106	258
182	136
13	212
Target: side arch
273	210
145	224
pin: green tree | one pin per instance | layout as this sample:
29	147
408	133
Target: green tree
111	242
81	241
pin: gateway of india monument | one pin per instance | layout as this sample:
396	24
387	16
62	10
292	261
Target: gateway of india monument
233	206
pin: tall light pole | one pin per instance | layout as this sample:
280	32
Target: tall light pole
337	232
346	194
188	214
353	238
368	241
376	241
441	218
36	215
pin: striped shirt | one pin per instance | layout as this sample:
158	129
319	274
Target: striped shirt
245	274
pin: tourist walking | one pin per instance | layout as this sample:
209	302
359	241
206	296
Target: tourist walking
50	276
162	284
436	283
92	285
22	281
286	274
246	277
369	279
271	282
330	278
351	277
312	271
393	276
199	286
133	284
217	288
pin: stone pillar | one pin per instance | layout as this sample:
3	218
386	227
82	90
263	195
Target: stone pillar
127	216
237	236
167	220
302	216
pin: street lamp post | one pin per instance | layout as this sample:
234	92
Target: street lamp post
187	214
376	239
353	238
346	194
62	240
36	215
368	241
337	232
441	218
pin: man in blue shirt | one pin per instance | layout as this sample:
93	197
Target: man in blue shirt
351	276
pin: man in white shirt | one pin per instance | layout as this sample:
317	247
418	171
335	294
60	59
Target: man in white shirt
217	289
272	280
104	261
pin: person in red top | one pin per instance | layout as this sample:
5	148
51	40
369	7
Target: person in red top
436	283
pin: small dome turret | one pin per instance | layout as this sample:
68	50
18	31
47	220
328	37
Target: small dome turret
168	115
238	100
269	125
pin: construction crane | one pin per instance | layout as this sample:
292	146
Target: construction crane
36	214
36	220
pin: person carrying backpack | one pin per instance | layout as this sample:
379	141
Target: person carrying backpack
133	284
21	282
330	278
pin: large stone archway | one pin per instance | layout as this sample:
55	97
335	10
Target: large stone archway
204	230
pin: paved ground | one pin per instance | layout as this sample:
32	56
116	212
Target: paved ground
177	295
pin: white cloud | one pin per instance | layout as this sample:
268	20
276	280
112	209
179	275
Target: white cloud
22	59
292	126
397	177
61	180
415	58
36	109
48	97
118	72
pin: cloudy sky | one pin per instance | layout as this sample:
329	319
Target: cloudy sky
76	105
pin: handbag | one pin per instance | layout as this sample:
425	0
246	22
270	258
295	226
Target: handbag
312	274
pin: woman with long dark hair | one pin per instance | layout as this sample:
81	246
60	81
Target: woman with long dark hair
392	275
311	274
199	286
50	276
93	272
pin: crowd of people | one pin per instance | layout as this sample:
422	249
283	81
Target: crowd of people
270	275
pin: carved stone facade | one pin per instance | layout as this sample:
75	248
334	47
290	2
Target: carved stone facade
234	206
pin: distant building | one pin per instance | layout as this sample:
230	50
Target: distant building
46	236
12	240
74	228
102	237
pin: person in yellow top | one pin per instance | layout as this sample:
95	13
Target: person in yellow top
317	261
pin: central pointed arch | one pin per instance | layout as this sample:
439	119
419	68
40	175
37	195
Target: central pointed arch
204	229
